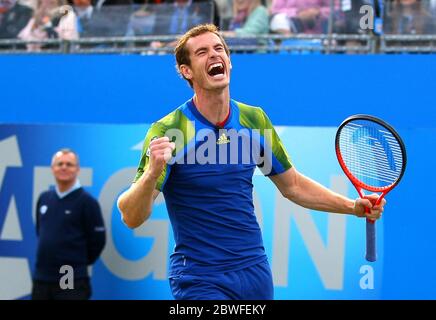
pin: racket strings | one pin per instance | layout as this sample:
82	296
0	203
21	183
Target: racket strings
371	153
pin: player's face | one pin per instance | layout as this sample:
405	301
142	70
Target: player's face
210	64
65	168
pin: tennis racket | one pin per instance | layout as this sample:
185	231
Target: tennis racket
372	155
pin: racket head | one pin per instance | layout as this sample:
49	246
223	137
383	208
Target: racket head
370	152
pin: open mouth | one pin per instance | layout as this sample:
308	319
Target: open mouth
216	69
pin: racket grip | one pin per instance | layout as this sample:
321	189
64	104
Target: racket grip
370	241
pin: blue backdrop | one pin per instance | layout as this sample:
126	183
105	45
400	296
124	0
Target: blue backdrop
318	90
315	257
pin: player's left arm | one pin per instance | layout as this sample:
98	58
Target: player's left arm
304	191
310	194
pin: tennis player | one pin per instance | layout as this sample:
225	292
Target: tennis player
197	156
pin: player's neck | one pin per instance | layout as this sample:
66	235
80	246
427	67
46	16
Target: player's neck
214	107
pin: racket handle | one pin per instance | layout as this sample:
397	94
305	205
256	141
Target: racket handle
370	241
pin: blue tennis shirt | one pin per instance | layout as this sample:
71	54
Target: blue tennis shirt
208	186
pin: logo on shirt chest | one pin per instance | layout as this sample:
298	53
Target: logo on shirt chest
223	139
43	209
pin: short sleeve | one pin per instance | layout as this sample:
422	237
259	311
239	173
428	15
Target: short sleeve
156	131
276	158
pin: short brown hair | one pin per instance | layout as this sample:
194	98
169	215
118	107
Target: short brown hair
182	53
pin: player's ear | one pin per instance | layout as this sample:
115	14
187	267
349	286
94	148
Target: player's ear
185	71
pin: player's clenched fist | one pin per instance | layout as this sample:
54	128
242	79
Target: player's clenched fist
160	153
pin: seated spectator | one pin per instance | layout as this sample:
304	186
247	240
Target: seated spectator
408	17
52	19
142	21
13	18
29	3
432	8
158	18
250	17
84	10
102	3
4	6
213	5
300	16
180	16
224	9
348	21
106	19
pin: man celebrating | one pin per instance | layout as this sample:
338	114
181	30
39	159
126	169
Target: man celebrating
71	233
207	184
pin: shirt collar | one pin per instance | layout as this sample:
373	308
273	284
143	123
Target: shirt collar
76	186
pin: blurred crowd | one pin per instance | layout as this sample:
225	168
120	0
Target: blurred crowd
34	20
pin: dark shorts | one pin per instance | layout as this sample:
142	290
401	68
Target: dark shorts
252	283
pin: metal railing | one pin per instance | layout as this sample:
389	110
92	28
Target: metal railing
408	43
266	43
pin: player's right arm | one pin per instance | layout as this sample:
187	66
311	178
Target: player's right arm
136	203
